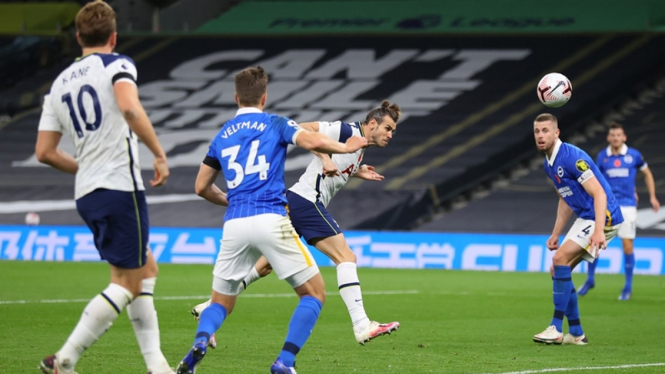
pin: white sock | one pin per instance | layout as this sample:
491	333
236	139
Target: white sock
250	278
97	317
142	314
349	289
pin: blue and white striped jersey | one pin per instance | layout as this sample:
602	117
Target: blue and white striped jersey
569	168
251	151
620	171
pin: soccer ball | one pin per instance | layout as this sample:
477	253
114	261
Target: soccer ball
554	90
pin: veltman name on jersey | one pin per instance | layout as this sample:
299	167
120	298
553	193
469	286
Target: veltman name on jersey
76	74
259	126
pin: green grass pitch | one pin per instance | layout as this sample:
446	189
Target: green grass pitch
452	322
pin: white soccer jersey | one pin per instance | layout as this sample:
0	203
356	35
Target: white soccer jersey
313	184
82	103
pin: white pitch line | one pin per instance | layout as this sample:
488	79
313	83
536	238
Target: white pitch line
203	297
522	295
554	370
40	206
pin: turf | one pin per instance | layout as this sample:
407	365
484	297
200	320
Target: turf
452	322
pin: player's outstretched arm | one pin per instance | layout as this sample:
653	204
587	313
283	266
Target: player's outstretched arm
127	96
48	153
651	187
310	126
206	188
596	191
563	213
315	141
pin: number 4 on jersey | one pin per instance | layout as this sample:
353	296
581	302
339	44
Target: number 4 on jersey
250	167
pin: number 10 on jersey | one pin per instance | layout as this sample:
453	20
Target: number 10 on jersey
90	126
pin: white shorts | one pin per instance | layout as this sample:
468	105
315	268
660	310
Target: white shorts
627	229
244	240
582	230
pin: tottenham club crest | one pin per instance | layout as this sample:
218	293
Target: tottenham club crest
559	172
581	165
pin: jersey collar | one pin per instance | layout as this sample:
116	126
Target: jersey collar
248	110
622	151
557	145
360	126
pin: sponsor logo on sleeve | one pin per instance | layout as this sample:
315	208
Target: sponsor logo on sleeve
581	165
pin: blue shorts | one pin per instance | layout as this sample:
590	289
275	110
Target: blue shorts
119	223
311	220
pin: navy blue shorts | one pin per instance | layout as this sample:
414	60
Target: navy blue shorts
119	223
311	220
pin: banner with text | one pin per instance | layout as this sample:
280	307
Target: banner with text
437	16
408	250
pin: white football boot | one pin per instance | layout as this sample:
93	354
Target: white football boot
374	330
549	336
575	340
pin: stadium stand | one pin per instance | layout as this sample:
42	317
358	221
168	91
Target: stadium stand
464	123
527	203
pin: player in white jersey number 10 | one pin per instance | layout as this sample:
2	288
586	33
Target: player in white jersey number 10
95	101
308	200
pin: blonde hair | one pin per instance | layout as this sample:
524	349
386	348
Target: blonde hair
547	117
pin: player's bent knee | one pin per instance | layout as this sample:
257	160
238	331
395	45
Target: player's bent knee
308	283
134	287
130	279
150	270
560	258
300	278
264	270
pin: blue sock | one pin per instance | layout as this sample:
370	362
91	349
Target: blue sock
573	315
629	265
591	272
210	321
301	326
563	284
